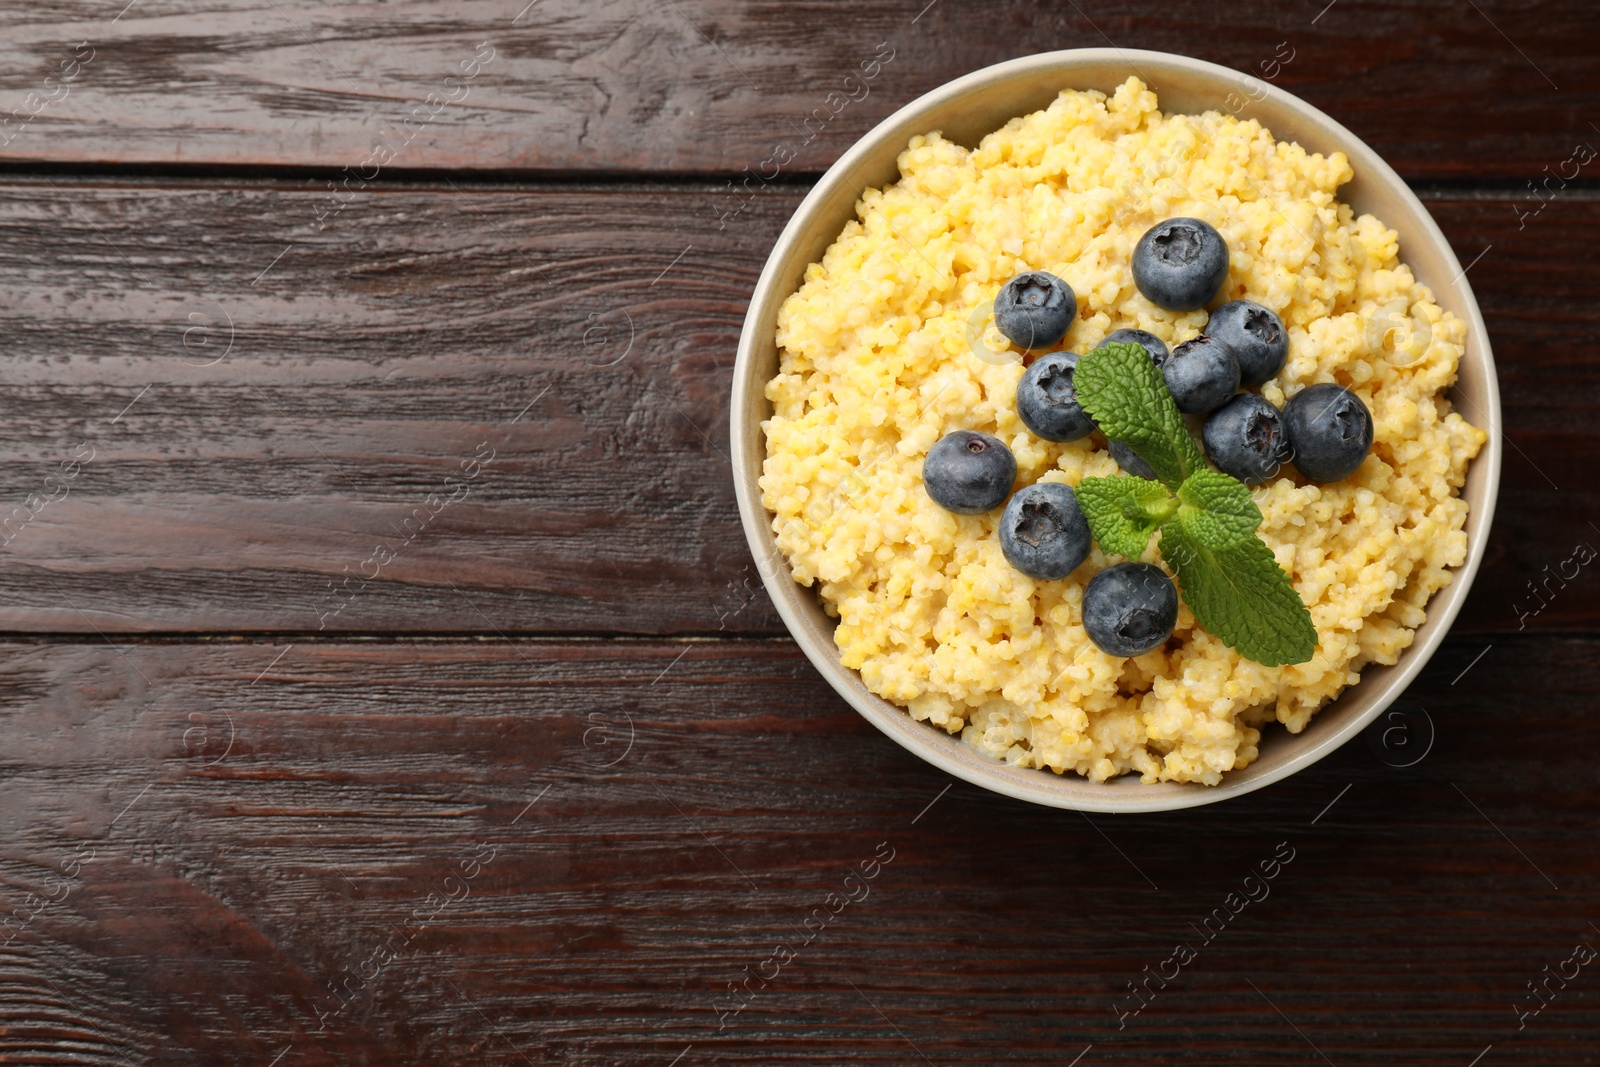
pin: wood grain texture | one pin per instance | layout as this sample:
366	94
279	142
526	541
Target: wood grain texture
245	364
262	410
1497	89
297	420
214	835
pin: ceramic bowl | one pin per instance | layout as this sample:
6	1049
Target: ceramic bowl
965	110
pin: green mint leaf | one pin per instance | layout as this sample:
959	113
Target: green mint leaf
1126	395
1218	508
1124	511
1238	593
1228	575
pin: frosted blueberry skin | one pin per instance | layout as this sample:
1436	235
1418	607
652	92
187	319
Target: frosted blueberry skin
1330	430
1256	335
1035	309
1130	609
1047	399
1043	532
1246	438
1179	264
968	472
1130	462
1201	374
1155	346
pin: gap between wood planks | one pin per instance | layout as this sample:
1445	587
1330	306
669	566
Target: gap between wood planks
442	637
324	638
291	179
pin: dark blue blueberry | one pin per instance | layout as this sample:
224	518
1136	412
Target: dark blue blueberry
1043	532
1330	431
1201	374
1130	609
1257	338
1130	462
969	472
1148	341
1035	310
1048	402
1245	438
1180	264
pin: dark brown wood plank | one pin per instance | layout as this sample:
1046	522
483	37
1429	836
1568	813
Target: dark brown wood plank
298	417
265	410
218	835
1544	324
1499	89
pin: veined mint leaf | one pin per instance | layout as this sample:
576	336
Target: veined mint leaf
1230	581
1218	508
1125	394
1239	594
1124	511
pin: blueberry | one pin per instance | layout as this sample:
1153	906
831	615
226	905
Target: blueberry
1034	310
1048	402
1201	374
1043	532
1130	609
968	472
1180	264
1130	462
1255	334
1148	341
1330	430
1245	438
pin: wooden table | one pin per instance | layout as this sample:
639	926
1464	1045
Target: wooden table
387	679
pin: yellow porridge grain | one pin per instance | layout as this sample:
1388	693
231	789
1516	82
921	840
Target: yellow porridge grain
876	365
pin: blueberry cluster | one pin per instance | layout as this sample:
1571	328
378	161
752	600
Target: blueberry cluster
1042	531
1326	430
1128	609
1180	264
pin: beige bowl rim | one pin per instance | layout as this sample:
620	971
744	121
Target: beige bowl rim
965	109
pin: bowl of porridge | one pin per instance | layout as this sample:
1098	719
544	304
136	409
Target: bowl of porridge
873	335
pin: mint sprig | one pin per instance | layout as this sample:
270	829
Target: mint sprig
1124	393
1219	507
1207	520
1124	512
1239	594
